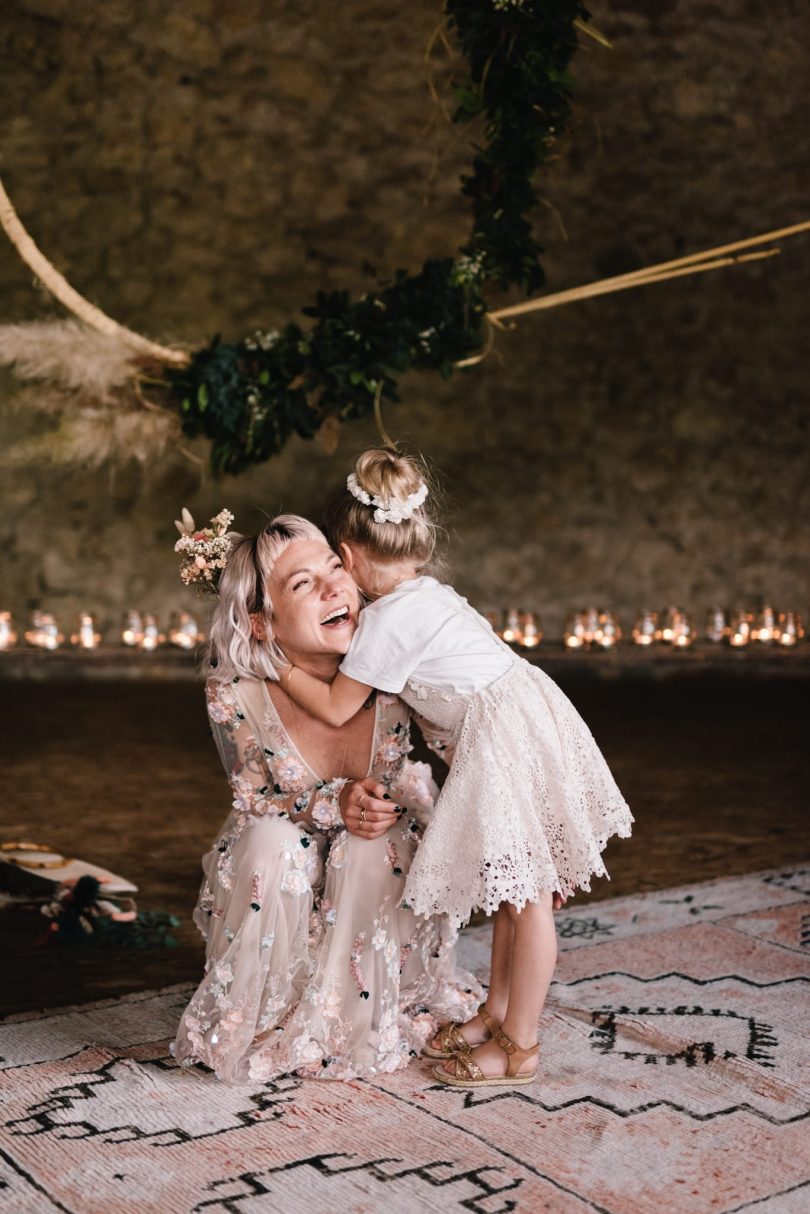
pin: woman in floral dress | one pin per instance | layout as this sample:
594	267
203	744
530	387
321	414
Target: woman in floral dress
311	964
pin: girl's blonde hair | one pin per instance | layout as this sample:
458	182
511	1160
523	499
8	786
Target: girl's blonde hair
391	477
233	651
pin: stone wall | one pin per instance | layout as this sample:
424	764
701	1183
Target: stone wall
206	166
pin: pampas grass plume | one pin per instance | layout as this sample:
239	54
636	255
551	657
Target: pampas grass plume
66	353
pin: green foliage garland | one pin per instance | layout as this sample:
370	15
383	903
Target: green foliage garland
248	397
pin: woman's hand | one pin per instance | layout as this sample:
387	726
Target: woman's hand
558	901
366	810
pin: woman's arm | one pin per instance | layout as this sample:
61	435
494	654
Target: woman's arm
335	702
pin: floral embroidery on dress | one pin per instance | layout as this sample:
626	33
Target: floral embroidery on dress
392	859
391	954
422	691
337	852
354	964
380	936
276	934
295	882
394	747
256	886
222	705
325	813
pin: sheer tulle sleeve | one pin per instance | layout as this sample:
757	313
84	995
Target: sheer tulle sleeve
264	781
436	739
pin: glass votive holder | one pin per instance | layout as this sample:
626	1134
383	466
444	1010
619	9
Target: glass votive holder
716	624
152	636
85	636
683	633
764	629
8	631
44	631
132	629
645	628
670	620
512	632
574	635
531	630
184	631
789	628
739	629
590	619
608	633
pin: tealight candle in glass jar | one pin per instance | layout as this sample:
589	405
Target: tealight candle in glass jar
716	624
85	636
8	632
683	634
789	629
645	628
184	631
591	621
512	633
608	633
669	624
764	629
739	629
132	629
44	631
152	636
574	635
531	630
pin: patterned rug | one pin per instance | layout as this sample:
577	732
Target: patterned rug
673	1078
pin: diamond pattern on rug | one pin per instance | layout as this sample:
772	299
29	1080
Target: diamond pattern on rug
674	1077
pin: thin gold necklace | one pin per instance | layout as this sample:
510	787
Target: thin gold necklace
297	720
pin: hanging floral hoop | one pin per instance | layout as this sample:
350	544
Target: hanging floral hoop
248	397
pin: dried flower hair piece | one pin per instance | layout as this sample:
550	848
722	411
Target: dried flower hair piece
390	510
204	550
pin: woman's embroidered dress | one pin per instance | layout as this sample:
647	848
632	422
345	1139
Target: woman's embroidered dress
312	966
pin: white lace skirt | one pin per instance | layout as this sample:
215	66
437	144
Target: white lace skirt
528	806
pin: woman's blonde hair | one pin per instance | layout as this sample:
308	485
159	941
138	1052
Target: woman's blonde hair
391	477
233	651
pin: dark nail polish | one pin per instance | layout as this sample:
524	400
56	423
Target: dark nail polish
386	796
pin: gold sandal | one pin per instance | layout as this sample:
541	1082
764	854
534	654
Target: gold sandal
452	1041
468	1074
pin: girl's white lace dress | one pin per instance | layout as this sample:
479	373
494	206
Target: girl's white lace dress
529	803
312	965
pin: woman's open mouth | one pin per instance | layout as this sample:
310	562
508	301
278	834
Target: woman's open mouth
336	618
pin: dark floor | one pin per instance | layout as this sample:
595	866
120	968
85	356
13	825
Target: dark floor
715	770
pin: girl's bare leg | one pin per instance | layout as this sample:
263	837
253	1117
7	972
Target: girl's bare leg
534	956
503	931
500	970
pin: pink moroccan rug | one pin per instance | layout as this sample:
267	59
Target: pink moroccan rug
673	1079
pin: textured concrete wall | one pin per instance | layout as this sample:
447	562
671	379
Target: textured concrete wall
206	166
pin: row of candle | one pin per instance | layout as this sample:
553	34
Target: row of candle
590	628
139	630
596	628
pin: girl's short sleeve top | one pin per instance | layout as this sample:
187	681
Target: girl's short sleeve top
424	631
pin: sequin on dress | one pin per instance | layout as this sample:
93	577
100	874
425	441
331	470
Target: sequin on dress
312	965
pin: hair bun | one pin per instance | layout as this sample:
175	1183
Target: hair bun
388	474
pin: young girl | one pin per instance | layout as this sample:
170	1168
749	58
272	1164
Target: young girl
529	802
